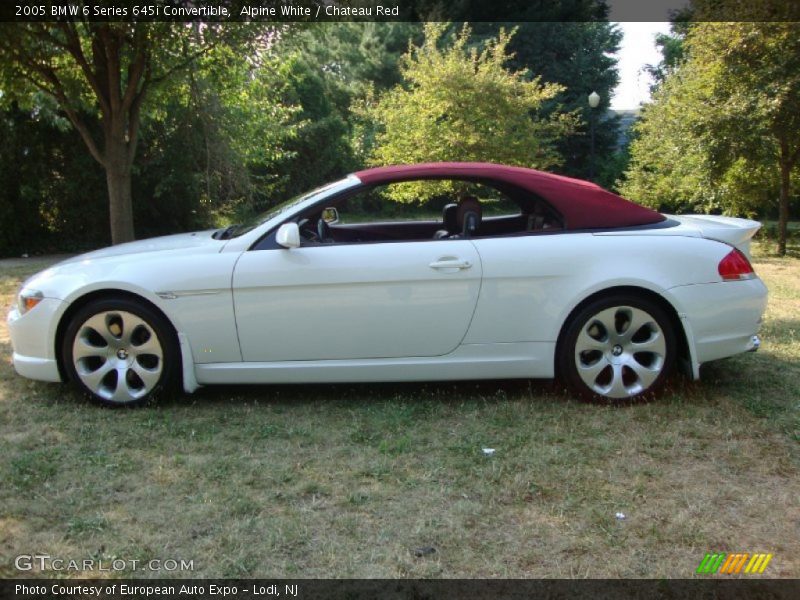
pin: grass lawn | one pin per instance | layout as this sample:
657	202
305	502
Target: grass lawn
347	481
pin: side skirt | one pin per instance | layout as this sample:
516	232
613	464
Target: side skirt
521	360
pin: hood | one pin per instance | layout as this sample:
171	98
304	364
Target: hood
178	241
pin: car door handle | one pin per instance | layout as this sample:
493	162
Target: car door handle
450	263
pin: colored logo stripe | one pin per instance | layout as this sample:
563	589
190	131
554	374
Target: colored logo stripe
732	564
758	563
711	563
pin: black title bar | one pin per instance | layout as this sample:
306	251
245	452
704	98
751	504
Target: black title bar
276	11
311	589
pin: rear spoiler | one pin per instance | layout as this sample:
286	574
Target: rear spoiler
731	230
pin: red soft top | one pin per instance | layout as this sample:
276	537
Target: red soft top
583	204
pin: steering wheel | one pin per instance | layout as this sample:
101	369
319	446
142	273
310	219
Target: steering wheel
323	231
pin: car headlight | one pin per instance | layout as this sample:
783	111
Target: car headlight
27	299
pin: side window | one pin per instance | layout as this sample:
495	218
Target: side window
380	205
420	201
497	204
422	210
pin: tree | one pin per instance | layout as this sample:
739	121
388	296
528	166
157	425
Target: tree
105	72
580	56
671	48
463	104
669	168
328	67
757	97
724	129
212	143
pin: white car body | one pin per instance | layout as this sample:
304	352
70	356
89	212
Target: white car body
386	311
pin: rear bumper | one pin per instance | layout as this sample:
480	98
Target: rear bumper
721	319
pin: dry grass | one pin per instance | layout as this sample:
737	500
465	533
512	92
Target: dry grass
345	481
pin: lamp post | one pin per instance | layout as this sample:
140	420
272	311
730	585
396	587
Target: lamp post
594	101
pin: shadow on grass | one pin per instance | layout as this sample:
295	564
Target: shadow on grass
765	385
487	391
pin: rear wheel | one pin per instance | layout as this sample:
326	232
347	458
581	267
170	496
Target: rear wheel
616	349
120	352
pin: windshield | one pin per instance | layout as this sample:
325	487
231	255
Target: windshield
237	230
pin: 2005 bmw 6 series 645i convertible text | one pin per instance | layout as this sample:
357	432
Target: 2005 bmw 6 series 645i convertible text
524	275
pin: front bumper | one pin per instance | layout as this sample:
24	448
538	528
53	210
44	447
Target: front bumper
41	369
33	340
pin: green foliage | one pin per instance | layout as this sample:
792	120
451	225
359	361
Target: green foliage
580	56
245	123
671	46
669	166
106	73
723	124
236	130
52	198
204	145
236	119
328	68
461	103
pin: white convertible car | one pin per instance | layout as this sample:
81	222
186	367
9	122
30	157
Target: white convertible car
524	275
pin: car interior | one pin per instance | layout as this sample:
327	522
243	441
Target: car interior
470	210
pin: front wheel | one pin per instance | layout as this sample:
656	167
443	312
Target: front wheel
618	348
120	352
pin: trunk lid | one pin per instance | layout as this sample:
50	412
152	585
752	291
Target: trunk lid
731	230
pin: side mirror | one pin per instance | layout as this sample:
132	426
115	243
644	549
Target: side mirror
288	235
330	215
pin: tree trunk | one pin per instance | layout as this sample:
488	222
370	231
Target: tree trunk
118	177
783	209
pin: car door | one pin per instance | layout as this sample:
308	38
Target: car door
355	301
528	282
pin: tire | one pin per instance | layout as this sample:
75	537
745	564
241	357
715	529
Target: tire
617	349
120	353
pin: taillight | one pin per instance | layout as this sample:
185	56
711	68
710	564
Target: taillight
735	267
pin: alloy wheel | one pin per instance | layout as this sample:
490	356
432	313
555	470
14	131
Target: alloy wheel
118	356
620	352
